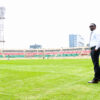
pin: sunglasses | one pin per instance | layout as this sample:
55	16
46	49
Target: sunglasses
91	26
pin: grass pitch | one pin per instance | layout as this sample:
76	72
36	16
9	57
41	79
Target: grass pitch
56	79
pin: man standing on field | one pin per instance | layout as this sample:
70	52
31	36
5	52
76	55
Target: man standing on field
95	51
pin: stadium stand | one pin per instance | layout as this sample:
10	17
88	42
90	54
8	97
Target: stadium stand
1	55
38	53
13	53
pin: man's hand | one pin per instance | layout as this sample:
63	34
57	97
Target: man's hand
96	49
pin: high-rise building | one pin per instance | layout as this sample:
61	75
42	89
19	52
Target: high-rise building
2	17
76	40
35	46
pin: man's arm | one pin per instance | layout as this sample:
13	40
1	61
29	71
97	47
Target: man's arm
98	41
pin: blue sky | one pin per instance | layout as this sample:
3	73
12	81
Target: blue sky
47	22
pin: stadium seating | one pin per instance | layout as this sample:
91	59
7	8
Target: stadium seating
14	55
1	55
41	53
85	52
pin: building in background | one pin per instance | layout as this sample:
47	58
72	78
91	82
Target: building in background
2	17
76	40
35	46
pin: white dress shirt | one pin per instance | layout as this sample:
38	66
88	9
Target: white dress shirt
95	39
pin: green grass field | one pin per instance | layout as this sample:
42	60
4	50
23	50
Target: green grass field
49	79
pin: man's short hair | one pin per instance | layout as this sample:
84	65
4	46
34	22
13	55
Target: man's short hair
93	24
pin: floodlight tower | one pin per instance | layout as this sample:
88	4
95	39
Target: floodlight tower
2	17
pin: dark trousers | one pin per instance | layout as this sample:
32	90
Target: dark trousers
95	60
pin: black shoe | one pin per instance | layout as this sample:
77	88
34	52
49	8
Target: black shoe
94	81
